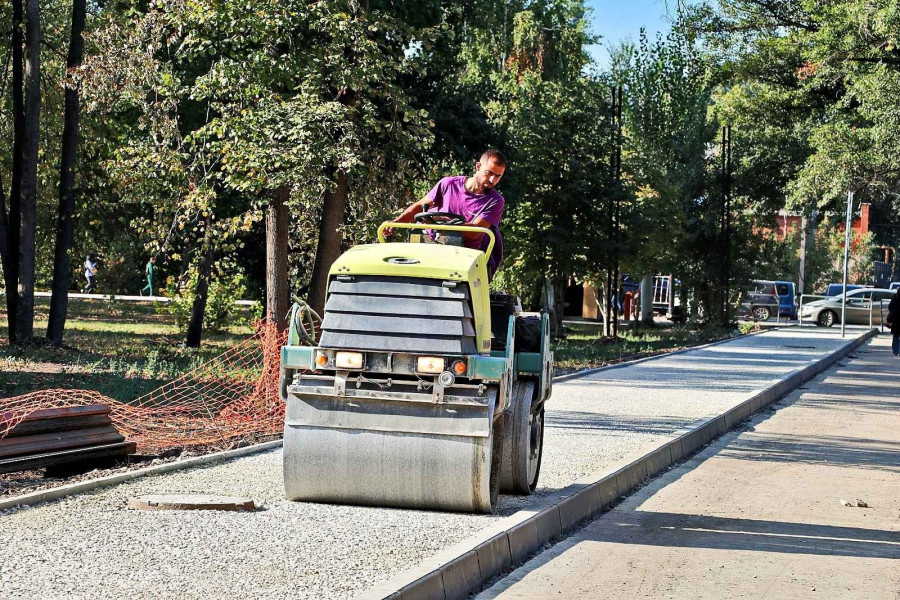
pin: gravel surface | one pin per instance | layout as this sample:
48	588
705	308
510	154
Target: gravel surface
92	546
19	483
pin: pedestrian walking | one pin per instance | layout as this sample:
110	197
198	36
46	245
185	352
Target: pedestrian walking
893	319
90	273
148	271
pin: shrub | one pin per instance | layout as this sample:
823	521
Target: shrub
221	309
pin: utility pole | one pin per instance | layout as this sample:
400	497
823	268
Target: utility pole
617	177
611	211
801	278
725	226
611	325
846	260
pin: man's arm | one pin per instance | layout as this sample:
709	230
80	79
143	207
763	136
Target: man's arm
408	215
474	236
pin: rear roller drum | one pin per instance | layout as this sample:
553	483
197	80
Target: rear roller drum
523	441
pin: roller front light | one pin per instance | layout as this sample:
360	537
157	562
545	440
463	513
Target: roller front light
433	365
348	360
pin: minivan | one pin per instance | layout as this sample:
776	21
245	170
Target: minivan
836	289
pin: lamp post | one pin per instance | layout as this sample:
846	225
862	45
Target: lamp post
846	260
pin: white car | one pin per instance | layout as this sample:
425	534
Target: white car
864	306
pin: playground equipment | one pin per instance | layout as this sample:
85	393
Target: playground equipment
424	390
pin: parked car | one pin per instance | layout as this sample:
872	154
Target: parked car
836	289
864	306
760	302
787	298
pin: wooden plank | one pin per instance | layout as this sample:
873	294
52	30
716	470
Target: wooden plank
32	427
49	442
49	459
65	411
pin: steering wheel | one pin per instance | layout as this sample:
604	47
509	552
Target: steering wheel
440	218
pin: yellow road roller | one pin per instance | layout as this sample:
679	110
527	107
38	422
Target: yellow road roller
423	390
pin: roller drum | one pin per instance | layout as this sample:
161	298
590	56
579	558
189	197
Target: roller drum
379	451
382	468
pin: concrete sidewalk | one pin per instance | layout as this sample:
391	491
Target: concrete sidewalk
759	512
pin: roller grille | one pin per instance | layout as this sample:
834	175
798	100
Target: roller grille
398	314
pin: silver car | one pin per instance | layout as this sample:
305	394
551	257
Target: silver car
864	306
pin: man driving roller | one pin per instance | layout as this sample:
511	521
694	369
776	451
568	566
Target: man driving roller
474	199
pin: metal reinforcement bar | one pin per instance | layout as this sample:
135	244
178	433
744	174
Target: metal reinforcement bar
465	568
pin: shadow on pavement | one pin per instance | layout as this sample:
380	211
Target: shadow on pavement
835	451
614	423
699	531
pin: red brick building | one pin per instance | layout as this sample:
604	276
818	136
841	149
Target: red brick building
787	222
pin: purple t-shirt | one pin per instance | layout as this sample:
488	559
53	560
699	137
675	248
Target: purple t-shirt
450	195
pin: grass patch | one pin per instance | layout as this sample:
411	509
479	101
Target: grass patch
121	349
584	345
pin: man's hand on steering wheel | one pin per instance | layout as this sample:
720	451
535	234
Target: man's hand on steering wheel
440	218
431	218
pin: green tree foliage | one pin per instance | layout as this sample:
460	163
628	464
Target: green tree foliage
230	102
780	257
819	86
555	124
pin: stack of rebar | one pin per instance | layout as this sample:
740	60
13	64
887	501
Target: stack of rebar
58	436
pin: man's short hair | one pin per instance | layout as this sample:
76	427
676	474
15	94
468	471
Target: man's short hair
495	155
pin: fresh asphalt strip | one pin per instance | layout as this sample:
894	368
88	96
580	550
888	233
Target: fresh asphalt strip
466	568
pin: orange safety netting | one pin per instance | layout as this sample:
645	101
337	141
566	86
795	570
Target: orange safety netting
233	395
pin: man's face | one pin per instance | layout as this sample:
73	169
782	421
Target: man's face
488	174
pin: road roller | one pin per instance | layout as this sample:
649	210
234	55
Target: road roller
422	388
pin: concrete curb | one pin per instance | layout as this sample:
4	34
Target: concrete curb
464	569
93	484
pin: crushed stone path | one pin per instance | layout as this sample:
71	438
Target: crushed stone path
93	546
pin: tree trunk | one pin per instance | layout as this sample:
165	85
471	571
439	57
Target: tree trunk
647	299
25	308
329	247
11	268
549	304
4	243
201	291
277	289
62	268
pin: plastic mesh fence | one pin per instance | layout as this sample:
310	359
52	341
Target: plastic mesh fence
233	395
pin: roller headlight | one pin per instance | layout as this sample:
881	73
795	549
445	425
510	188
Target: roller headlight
430	364
348	360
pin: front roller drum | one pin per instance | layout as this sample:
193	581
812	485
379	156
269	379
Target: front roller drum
523	442
383	468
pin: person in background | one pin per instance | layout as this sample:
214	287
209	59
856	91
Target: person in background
893	319
90	273
148	271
